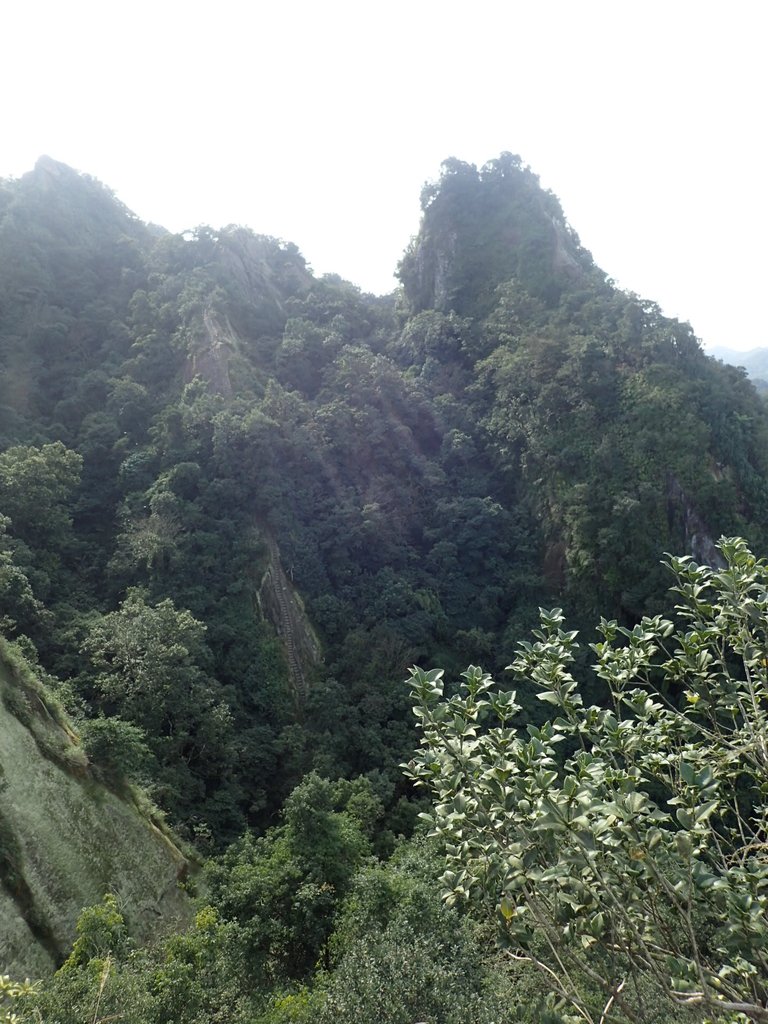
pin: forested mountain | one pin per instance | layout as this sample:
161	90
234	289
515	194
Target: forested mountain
240	500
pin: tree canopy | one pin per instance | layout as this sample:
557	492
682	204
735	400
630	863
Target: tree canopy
238	499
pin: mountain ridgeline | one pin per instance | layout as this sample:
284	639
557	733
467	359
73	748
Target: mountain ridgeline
238	500
419	472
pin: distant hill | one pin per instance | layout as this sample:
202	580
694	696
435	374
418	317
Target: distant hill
755	362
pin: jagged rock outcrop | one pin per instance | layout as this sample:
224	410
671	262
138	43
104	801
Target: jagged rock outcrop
66	840
282	606
699	543
483	227
265	270
209	359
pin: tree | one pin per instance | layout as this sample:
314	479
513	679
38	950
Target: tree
118	748
150	668
634	863
101	932
283	890
36	486
399	956
148	660
20	607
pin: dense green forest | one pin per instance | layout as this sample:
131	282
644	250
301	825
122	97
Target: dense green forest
239	501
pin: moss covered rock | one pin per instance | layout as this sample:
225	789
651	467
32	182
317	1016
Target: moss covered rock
66	840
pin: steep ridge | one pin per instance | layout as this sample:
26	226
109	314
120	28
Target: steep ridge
281	604
211	361
278	599
607	414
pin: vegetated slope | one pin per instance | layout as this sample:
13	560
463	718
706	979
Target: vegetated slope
66	840
628	440
509	430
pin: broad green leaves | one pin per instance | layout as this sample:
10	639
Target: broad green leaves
640	851
10	991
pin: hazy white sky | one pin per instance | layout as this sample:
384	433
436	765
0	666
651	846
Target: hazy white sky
319	122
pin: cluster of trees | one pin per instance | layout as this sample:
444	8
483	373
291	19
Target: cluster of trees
304	924
612	858
509	430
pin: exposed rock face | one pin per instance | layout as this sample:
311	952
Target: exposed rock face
563	258
282	606
65	841
49	172
431	265
250	261
210	359
699	544
485	227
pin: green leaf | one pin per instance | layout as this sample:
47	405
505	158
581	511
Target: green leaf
684	817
